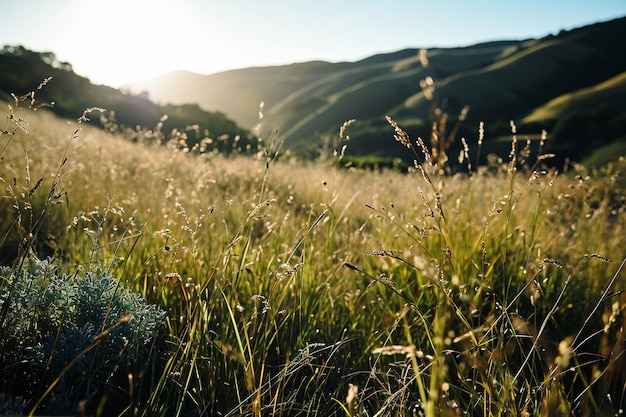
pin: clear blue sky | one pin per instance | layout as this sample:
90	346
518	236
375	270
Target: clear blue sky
118	41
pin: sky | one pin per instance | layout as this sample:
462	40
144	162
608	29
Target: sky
114	42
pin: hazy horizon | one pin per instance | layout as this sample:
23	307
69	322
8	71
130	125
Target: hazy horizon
136	40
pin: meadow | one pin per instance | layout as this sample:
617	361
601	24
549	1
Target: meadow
259	284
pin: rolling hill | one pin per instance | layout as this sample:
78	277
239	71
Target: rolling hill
537	83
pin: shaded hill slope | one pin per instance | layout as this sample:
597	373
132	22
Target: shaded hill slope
610	93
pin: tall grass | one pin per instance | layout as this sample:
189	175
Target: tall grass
499	280
296	288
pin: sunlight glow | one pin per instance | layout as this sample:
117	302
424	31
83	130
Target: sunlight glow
129	40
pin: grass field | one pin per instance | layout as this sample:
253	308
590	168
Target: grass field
298	288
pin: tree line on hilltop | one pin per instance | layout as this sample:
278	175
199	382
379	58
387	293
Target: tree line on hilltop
69	95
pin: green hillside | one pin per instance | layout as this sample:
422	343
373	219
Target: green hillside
499	81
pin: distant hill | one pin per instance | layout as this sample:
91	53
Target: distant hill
237	93
549	83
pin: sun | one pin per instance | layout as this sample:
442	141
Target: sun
121	41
